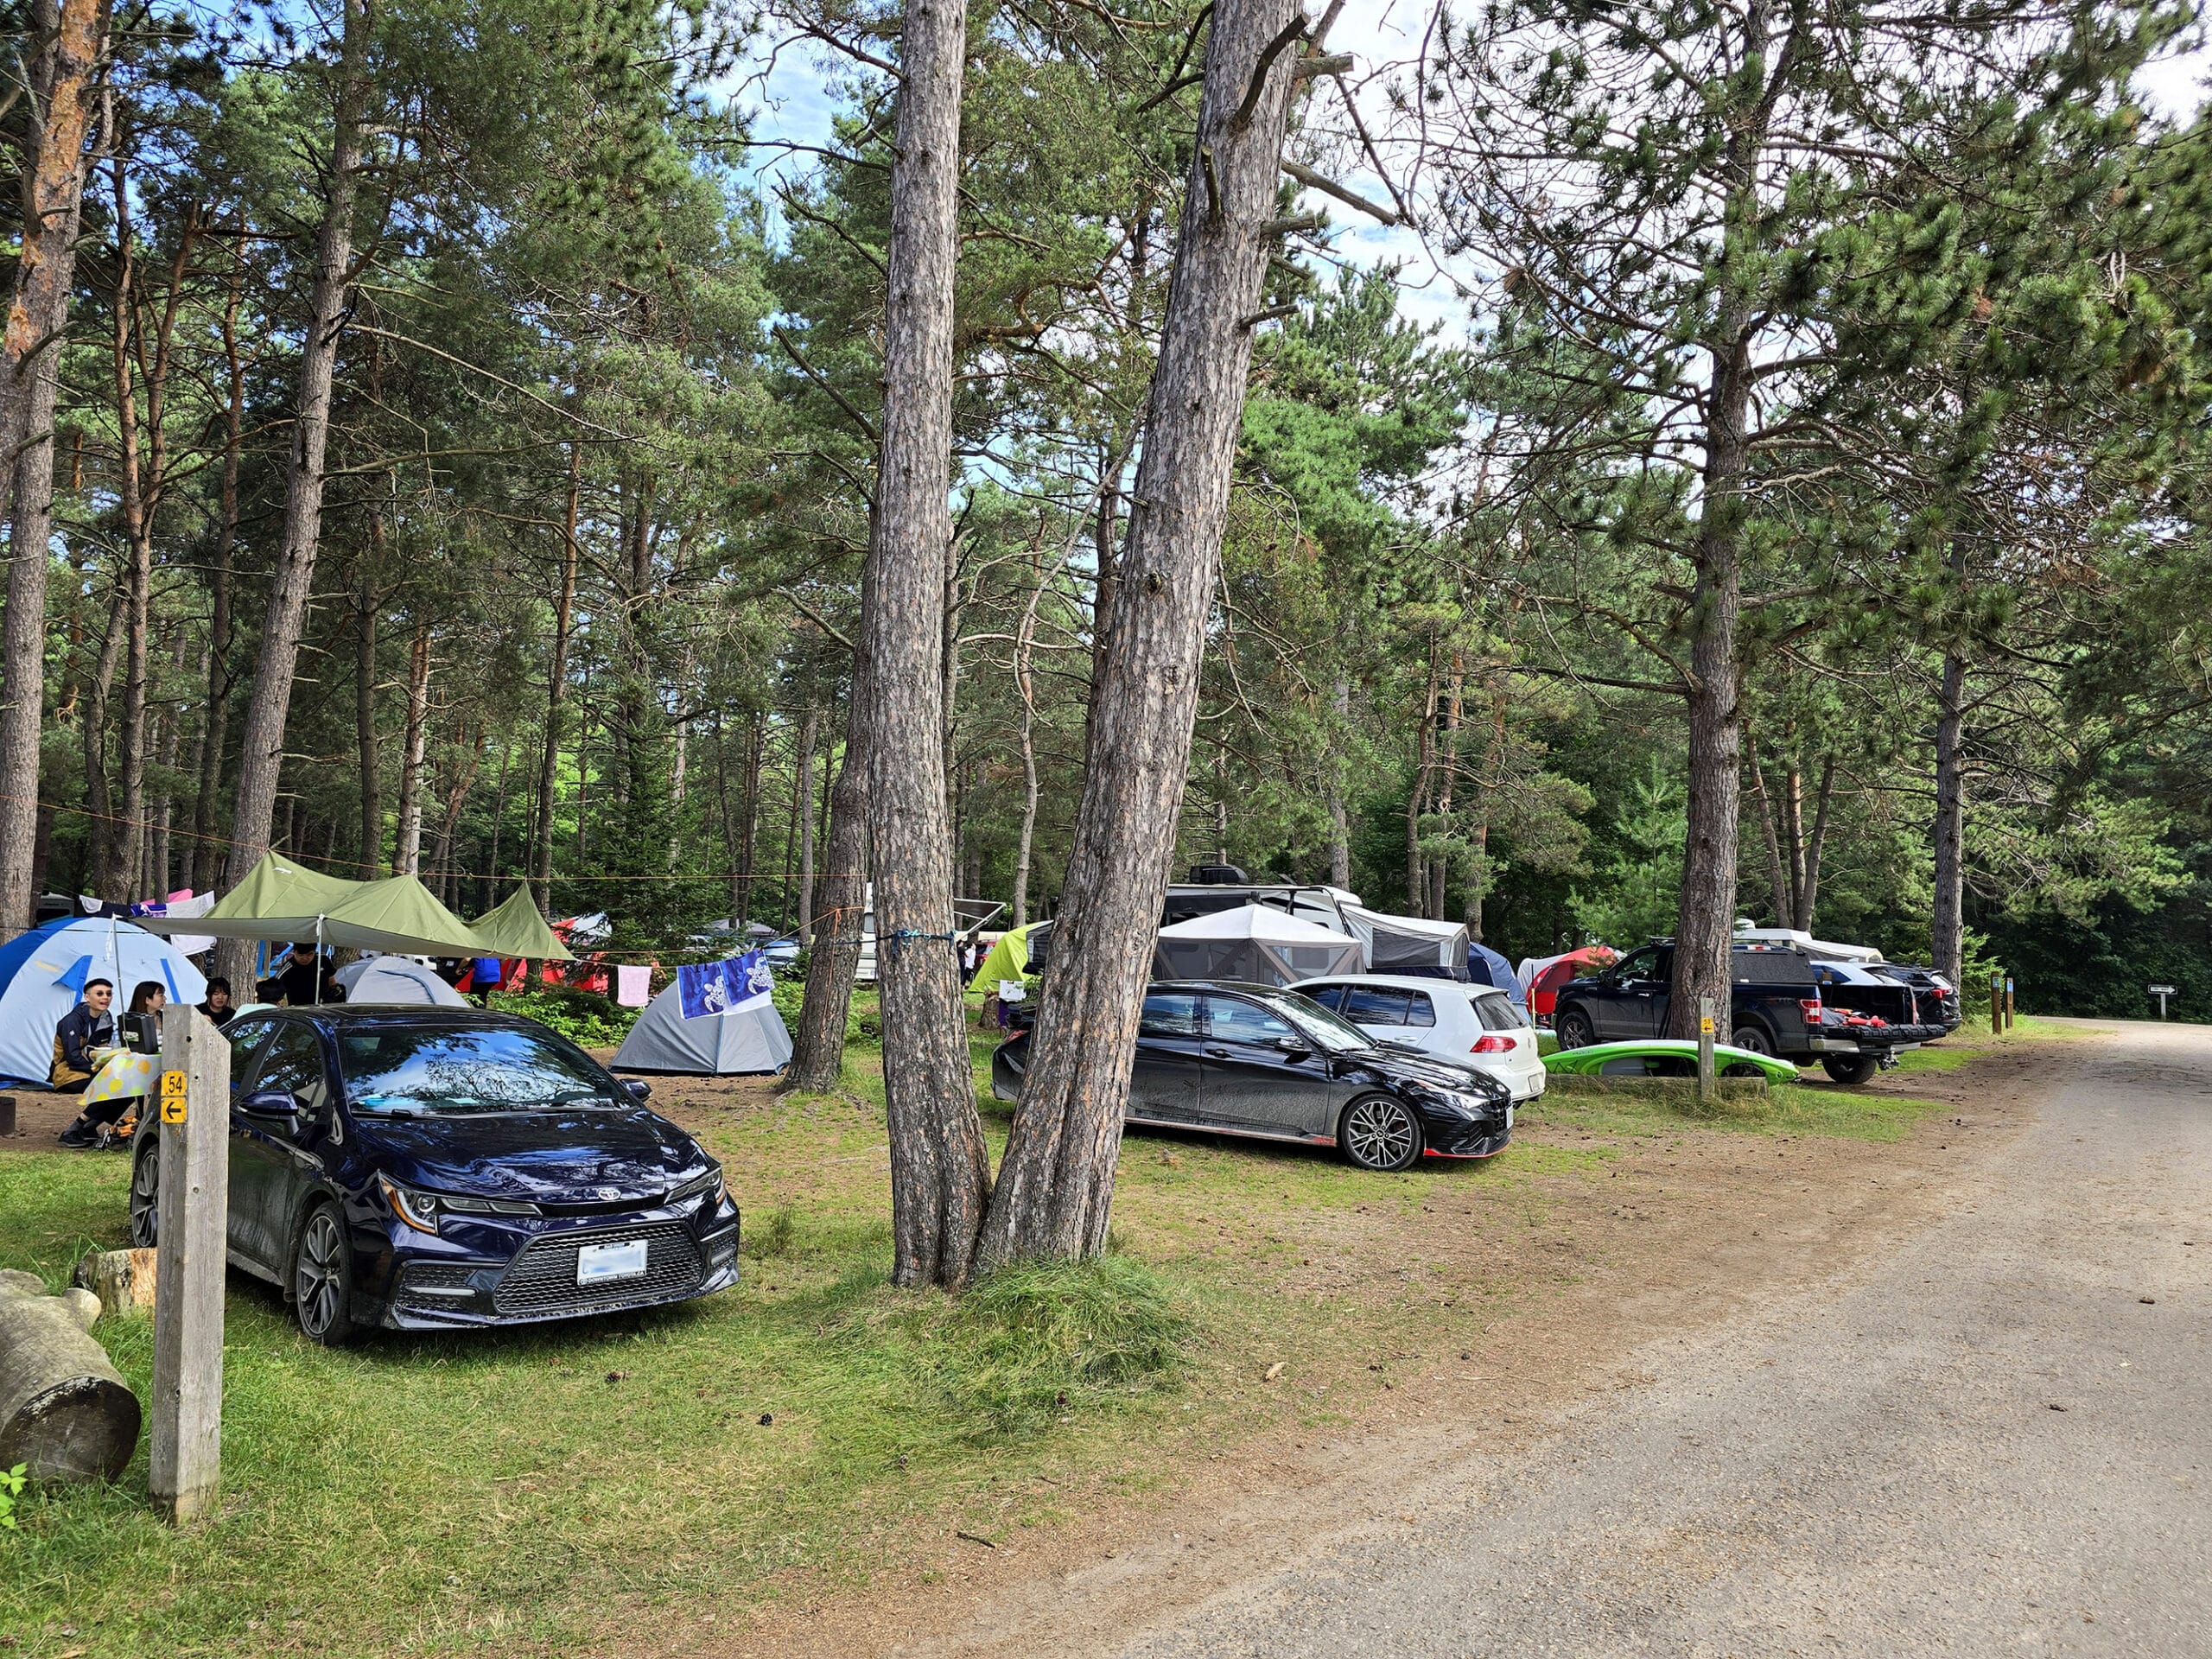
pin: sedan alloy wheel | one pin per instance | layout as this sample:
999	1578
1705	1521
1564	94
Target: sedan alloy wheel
145	1197
322	1278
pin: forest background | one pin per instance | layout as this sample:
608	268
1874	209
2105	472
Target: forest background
592	336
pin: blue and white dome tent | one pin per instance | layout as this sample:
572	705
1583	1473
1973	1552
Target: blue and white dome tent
42	975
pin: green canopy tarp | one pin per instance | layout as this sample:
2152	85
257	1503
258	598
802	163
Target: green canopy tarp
281	899
515	929
1008	959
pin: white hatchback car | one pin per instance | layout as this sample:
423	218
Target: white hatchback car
1478	1024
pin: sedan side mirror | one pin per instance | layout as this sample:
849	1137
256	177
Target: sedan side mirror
272	1105
1293	1047
637	1088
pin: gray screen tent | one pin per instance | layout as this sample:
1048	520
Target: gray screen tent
743	1041
1255	944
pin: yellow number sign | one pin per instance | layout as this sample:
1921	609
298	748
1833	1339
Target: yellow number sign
172	1082
1705	1024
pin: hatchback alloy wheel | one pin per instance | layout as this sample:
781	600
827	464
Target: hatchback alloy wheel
1379	1133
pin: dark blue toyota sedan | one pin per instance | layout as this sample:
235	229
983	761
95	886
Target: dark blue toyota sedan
413	1168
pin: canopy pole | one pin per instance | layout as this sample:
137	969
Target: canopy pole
318	959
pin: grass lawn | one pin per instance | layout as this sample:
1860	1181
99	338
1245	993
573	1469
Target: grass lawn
536	1488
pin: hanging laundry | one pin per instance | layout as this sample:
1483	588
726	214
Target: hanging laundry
634	985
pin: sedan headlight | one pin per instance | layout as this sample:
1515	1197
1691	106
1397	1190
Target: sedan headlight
711	1182
418	1209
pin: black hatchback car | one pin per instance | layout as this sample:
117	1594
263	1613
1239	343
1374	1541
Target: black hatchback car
1250	1060
414	1168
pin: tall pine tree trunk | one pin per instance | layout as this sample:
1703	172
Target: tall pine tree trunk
1948	929
1777	878
1339	824
939	1170
818	1046
206	854
292	581
1056	1186
810	726
1809	890
406	850
70	40
557	688
368	845
1704	924
1024	642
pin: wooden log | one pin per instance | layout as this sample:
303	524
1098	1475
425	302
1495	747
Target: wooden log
65	1413
123	1279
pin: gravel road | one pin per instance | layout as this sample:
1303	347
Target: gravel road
1995	1438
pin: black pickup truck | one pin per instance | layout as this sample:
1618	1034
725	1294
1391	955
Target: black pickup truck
1851	1018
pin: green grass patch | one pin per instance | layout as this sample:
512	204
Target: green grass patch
505	1489
1784	1108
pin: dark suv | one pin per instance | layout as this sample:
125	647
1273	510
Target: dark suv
1851	1017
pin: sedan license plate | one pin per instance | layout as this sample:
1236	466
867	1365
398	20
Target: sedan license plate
599	1264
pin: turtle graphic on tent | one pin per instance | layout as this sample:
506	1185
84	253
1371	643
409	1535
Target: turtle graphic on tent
42	975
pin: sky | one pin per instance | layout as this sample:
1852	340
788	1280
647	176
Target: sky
785	90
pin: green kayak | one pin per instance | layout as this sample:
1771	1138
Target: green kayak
1666	1057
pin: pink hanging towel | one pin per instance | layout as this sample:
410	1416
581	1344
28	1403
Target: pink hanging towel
633	986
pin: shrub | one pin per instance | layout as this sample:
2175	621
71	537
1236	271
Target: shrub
583	1017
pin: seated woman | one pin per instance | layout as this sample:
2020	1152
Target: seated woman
141	1024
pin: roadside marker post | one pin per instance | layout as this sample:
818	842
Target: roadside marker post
2162	992
2008	1001
1705	1084
1997	1005
191	1224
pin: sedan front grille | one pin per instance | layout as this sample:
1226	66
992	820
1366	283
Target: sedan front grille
542	1280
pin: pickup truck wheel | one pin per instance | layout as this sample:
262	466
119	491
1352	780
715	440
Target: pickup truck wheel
1752	1040
1848	1068
1574	1030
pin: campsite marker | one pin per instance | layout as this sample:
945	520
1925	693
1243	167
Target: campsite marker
2162	992
1705	1086
192	1223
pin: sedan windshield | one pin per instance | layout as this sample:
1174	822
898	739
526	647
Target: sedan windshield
1332	1033
465	1069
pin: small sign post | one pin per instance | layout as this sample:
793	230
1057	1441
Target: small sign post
191	1226
2008	1001
1997	1005
1704	1082
2162	992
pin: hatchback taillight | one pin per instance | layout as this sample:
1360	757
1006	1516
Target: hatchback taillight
1813	1010
1492	1044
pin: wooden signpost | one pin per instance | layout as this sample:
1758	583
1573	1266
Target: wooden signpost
1706	1086
192	1229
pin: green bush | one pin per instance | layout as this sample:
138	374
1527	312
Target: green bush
583	1017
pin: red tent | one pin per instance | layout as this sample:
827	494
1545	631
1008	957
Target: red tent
1548	973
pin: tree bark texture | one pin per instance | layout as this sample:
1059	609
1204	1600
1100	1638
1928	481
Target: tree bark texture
1055	1189
940	1174
1948	956
70	39
291	583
